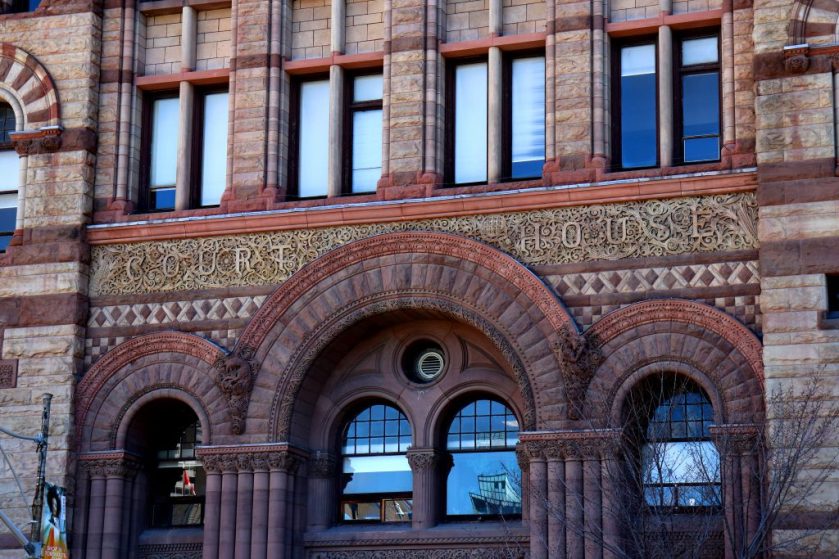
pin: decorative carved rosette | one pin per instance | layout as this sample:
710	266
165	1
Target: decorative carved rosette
235	376
322	465
580	356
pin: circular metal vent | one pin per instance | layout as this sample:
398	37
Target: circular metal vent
429	365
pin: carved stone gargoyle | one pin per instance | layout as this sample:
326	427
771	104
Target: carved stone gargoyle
235	374
580	356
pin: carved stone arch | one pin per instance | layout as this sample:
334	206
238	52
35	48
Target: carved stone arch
685	337
447	274
32	86
162	365
814	22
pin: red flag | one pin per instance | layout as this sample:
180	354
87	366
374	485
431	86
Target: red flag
187	484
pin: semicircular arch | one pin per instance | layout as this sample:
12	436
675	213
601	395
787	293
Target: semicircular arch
28	81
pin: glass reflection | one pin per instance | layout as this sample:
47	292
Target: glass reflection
470	126
214	149
8	214
485	479
528	93
313	139
366	150
639	140
701	116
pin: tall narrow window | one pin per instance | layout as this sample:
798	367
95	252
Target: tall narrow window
470	123
9	176
527	97
485	479
312	135
213	148
162	138
680	465
178	481
638	138
376	478
365	131
832	295
699	82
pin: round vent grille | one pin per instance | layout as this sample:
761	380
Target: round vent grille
429	365
423	361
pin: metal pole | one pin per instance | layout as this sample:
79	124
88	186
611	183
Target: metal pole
38	501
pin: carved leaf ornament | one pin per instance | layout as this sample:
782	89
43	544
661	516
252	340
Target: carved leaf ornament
549	236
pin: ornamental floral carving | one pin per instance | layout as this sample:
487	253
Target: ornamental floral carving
235	375
580	356
549	236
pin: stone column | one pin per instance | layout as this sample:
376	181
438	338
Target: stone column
117	474
183	178
665	95
96	511
538	496
212	505
425	467
726	55
280	498
593	505
574	505
227	519
610	502
598	84
336	131
323	473
189	39
495	120
738	448
259	522
556	503
339	26
244	506
79	526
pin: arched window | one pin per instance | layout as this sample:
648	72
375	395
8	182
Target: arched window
376	478
485	479
9	175
165	433
680	465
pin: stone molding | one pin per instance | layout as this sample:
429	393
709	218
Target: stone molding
170	551
251	458
35	142
112	464
130	351
688	312
736	438
536	237
568	445
33	87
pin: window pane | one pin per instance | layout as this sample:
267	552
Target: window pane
398	510
367	88
485	483
377	474
701	116
366	150
8	123
162	199
214	150
470	123
8	213
9	170
639	142
699	51
313	138
528	117
370	511
164	142
681	462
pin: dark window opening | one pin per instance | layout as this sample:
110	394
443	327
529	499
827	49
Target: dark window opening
376	479
833	296
484	480
18	6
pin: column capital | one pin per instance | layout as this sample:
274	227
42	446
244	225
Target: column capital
736	438
116	464
322	464
251	458
424	458
591	444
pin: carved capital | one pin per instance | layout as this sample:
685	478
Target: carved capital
244	462
112	467
33	142
322	465
422	459
734	439
284	462
235	375
229	463
796	60
261	462
211	463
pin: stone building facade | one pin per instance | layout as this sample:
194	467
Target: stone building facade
215	294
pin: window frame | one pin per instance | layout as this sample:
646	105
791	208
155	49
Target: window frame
197	159
449	156
616	139
832	288
350	109
507	112
9	146
293	190
22	7
352	415
144	196
678	73
455	411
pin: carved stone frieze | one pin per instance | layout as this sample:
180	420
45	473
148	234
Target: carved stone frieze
549	236
235	375
580	356
117	464
461	553
424	458
170	551
8	373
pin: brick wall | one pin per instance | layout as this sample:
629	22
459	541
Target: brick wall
310	24
213	39
163	44
365	26
466	20
523	16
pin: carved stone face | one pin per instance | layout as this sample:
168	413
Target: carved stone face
235	376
